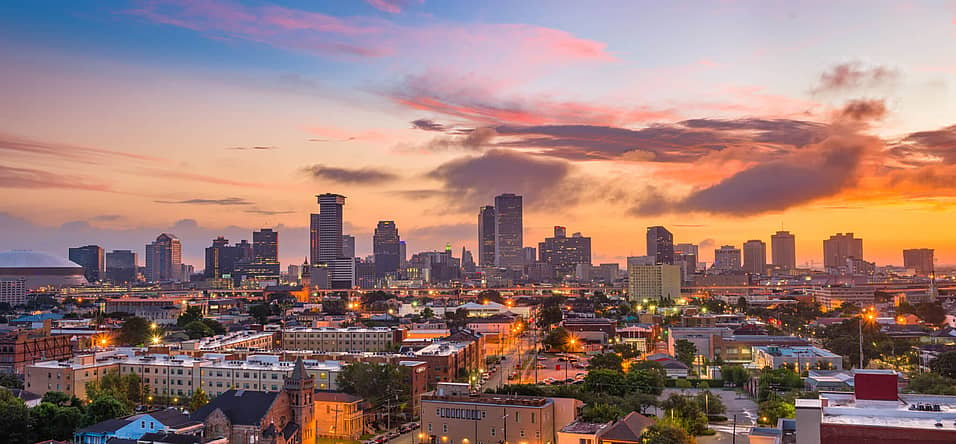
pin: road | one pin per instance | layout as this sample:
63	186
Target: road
744	408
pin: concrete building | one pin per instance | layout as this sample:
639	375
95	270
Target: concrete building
22	347
121	266
13	291
802	358
486	236
919	259
660	245
40	270
509	231
351	339
348	245
92	259
238	340
653	282
325	232
339	415
385	242
839	247
834	296
164	259
453	358
451	415
565	253
163	311
727	259
875	412
755	257
783	249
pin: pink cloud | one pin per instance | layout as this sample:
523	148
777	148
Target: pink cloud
392	6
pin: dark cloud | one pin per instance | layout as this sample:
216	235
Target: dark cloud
927	147
347	139
853	75
471	139
428	125
863	110
14	177
252	148
228	201
12	143
107	218
267	212
359	176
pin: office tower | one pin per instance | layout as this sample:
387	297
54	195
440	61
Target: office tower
726	259
840	247
509	231
164	259
653	282
486	236
244	251
265	245
219	259
314	225
467	261
326	242
348	245
121	266
686	256
385	246
783	249
660	245
565	253
640	260
755	257
687	249
293	272
608	272
91	259
402	254
919	259
530	255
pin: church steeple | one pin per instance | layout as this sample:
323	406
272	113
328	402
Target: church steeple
300	387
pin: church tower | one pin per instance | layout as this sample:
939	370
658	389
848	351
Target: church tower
300	387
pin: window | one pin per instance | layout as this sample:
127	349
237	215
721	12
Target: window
429	427
444	428
142	424
494	431
584	441
532	417
521	433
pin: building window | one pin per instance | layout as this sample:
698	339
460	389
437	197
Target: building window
521	433
429	427
444	428
494	431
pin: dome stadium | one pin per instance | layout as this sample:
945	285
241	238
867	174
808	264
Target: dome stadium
40	269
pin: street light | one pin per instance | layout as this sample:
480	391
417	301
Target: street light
155	339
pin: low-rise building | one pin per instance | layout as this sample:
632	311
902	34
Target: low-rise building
161	310
831	297
339	415
350	339
134	427
246	339
22	347
797	358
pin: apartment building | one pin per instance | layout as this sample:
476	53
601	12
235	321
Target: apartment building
834	297
22	347
246	339
351	339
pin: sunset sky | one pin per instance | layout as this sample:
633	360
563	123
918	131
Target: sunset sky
722	120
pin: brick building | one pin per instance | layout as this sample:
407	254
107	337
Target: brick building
22	347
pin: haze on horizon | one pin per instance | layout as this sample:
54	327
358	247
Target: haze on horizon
723	121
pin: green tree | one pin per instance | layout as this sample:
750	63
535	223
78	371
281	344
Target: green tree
683	384
198	400
10	380
780	380
742	303
627	351
197	329
51	421
945	364
666	432
686	412
128	388
56	398
606	361
428	313
932	384
191	314
931	312
261	313
557	339
105	407
550	315
135	331
491	296
14	418
711	403
647	381
771	410
601	413
610	382
734	374
377	383
216	326
685	351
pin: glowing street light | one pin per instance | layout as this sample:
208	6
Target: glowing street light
155	339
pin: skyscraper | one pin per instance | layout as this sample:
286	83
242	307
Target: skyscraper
402	254
784	251
386	248
509	231
486	236
348	245
265	245
839	247
654	282
529	254
164	259
467	261
660	245
326	241
220	258
919	259
92	260
264	264
755	257
565	253
727	259
121	266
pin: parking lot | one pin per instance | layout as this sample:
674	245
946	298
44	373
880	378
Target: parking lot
551	368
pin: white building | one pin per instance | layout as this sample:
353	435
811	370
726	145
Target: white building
653	282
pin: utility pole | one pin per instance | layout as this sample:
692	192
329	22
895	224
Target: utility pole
734	433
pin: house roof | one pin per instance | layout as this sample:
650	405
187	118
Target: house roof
171	417
628	429
335	397
108	426
245	407
170	438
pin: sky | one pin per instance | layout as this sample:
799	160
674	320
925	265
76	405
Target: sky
724	121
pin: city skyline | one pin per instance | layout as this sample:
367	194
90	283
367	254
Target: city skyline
128	119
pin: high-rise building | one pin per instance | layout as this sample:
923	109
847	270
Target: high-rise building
92	260
265	245
402	254
264	264
727	259
486	236
755	257
565	253
509	231
783	249
326	242
840	247
164	259
530	255
348	245
919	259
467	261
220	259
654	282
686	256
660	245
687	249
121	266
385	245
607	272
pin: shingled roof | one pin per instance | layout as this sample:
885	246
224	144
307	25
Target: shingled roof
628	429
244	407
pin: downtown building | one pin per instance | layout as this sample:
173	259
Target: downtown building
783	250
385	247
653	282
565	253
122	266
755	257
839	248
91	258
164	259
264	263
509	231
919	259
727	259
330	268
660	245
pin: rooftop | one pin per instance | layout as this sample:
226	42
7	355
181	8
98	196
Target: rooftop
34	259
584	428
523	401
795	352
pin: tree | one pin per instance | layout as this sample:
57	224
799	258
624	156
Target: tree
192	314
56	398
550	315
10	380
14	418
557	339
932	384
711	403
198	400
607	361
128	388
734	374
686	351
772	381
610	382
377	383
686	412
491	296
627	351
646	381
742	303
601	412
666	432
931	313
197	329
215	325
261	313
105	407
428	313
945	364
51	421
135	331
771	410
